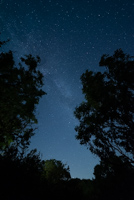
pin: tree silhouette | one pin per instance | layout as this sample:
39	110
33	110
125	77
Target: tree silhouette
55	171
20	91
114	179
107	115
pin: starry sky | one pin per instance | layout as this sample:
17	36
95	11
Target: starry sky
70	36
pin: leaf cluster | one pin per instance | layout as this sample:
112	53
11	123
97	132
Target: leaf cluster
55	171
20	91
107	115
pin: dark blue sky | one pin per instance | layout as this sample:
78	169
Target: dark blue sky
70	36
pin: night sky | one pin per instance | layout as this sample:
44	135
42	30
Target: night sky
70	36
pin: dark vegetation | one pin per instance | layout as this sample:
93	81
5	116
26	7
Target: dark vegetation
106	127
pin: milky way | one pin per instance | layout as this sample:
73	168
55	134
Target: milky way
70	36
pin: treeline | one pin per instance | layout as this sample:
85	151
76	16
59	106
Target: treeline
106	127
32	178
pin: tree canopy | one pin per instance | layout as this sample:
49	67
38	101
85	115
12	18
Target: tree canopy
107	115
20	91
55	171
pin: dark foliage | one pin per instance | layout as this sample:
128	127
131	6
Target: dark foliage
55	171
20	179
25	179
114	179
20	91
107	116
